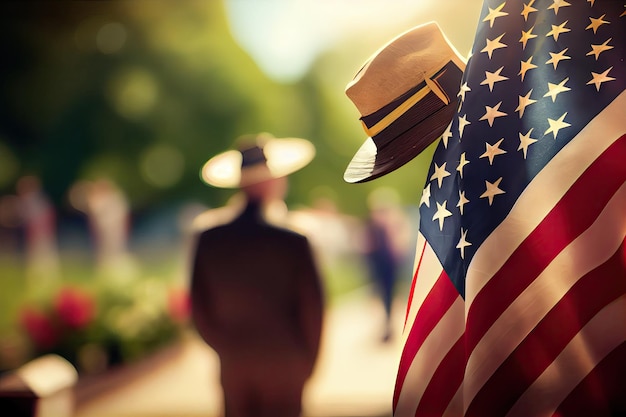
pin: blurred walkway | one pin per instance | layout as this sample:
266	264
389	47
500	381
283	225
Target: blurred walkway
355	375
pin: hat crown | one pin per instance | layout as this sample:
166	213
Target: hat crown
252	156
251	147
402	63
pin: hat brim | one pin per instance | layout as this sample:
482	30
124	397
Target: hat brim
284	156
371	162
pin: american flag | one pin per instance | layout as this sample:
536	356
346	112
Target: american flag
518	301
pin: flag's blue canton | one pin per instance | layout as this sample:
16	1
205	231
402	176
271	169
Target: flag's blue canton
538	73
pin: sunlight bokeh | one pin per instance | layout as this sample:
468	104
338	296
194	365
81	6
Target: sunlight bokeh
286	36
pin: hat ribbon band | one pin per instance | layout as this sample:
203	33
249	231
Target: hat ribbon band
405	106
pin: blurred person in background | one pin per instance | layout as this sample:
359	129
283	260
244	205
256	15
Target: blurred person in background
387	239
256	291
108	213
110	222
39	220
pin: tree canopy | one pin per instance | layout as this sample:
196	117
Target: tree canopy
144	92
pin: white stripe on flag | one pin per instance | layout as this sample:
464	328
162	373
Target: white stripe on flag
425	279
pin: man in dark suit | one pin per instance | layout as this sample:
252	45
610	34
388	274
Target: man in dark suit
256	291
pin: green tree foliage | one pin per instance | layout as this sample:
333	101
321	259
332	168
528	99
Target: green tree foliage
96	89
144	92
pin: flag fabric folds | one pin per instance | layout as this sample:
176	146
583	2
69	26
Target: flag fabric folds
518	301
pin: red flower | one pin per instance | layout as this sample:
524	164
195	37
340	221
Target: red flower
179	305
40	327
75	309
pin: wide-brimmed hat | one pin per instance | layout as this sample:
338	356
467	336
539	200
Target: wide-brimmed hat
257	158
406	94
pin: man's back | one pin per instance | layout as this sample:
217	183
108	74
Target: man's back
257	286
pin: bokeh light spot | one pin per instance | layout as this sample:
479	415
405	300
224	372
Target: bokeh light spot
162	166
9	166
133	92
111	38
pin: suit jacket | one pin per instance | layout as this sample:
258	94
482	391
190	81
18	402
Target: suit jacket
256	291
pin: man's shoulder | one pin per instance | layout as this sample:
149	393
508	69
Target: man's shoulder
287	231
216	230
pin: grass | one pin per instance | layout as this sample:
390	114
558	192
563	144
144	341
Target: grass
12	284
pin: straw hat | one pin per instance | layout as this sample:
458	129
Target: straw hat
257	158
406	94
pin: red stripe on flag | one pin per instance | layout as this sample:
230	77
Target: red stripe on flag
527	261
444	384
437	302
410	301
583	301
593	397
